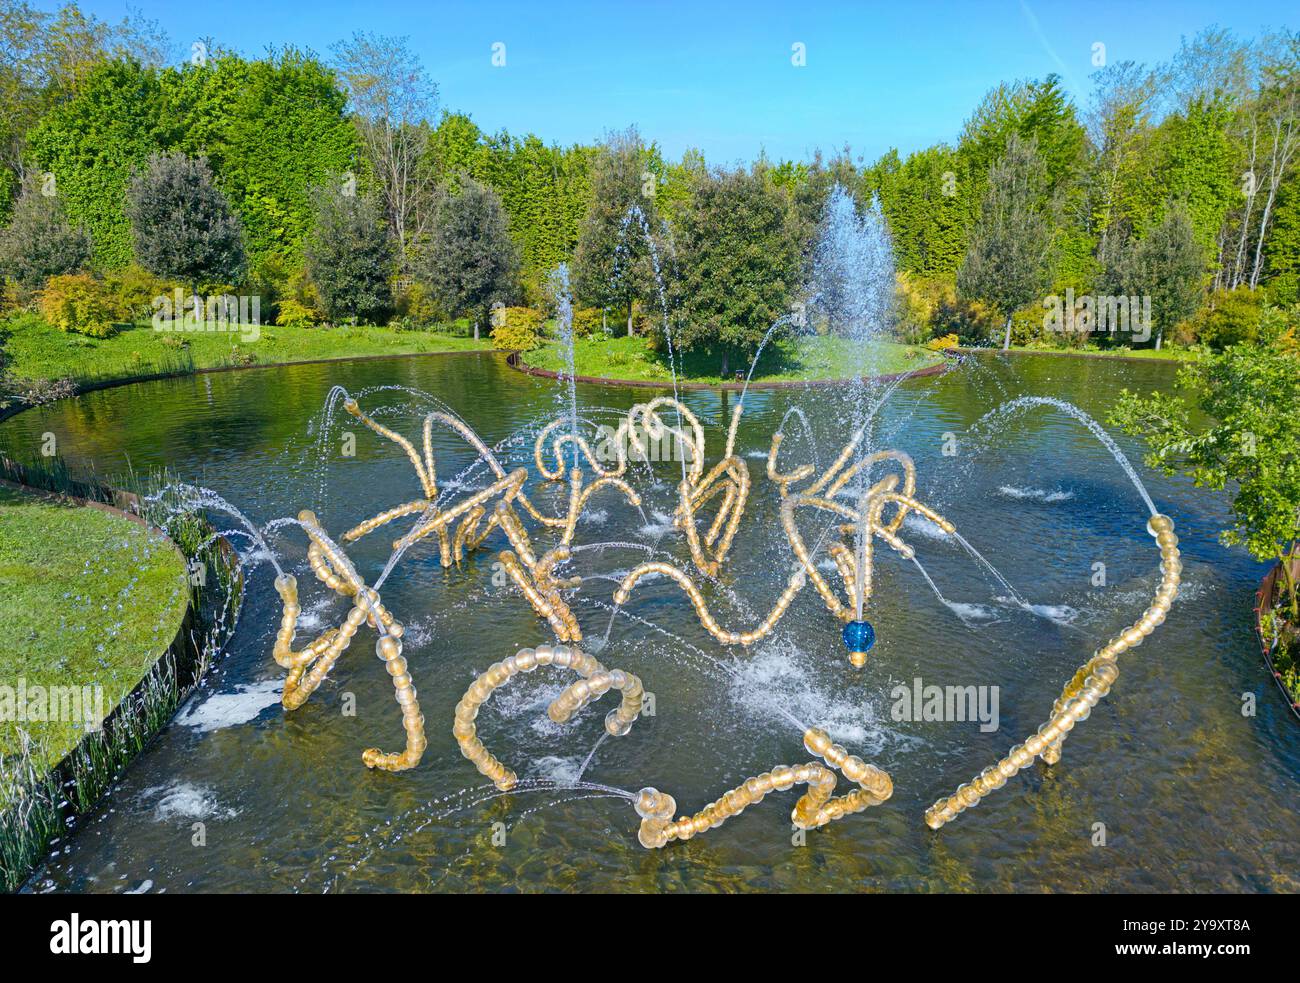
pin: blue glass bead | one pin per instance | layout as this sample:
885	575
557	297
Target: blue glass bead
859	636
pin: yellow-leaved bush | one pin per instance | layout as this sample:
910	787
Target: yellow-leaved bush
294	314
516	328
79	303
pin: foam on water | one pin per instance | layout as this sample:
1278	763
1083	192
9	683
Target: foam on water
553	768
781	677
660	527
1036	494
184	801
223	710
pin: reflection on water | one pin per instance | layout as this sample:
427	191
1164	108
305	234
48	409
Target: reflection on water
1193	795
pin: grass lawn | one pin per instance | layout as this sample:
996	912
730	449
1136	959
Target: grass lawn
1167	354
785	360
37	350
89	599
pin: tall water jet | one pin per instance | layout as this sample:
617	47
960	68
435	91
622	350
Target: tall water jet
562	297
852	292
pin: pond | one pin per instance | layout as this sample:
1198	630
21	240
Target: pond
1168	786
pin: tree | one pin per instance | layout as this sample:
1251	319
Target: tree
1282	251
274	129
1279	108
350	257
1252	395
1167	265
93	143
738	263
39	242
612	266
45	57
1007	260
393	103
471	261
183	226
270	129
1119	126
926	213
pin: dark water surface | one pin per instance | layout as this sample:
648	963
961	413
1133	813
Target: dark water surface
238	795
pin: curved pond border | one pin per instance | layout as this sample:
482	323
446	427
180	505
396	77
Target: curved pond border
174	675
514	359
1263	601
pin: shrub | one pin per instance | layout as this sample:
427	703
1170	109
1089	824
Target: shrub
944	343
133	289
416	306
975	322
915	303
12	298
516	328
588	322
1231	317
79	303
294	314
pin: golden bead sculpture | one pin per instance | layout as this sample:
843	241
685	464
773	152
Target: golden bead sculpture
436	521
496	503
309	666
1084	691
596	681
815	808
855	567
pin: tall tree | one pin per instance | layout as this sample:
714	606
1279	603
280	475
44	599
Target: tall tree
1167	265
1007	261
739	265
183	226
471	261
924	203
1118	126
93	143
278	128
394	103
350	257
612	266
1275	130
45	57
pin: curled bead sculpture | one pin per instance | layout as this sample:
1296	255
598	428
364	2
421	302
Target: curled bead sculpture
309	665
433	519
815	808
596	681
729	477
871	510
1083	692
855	567
532	575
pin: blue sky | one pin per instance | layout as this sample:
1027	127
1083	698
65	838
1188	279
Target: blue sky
719	76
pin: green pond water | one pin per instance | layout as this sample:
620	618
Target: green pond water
238	795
